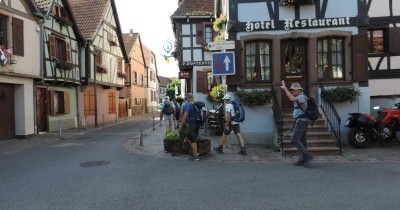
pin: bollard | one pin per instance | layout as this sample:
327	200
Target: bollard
141	135
59	128
103	120
154	123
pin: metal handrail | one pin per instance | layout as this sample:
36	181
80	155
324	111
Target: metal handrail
332	117
278	120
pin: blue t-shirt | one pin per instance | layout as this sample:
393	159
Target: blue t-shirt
301	100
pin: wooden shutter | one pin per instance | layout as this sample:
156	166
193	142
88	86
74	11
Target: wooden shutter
201	81
236	79
394	40
66	103
199	33
18	36
86	102
51	102
68	52
360	57
98	58
52	46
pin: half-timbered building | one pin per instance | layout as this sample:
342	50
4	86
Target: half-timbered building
59	86
103	58
19	67
318	43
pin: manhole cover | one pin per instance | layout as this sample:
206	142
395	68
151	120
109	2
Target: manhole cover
95	163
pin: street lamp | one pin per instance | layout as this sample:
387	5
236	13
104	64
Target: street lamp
95	52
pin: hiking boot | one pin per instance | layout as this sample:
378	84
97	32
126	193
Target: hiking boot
307	158
194	158
219	149
243	151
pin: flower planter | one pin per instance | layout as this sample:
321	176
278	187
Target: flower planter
177	146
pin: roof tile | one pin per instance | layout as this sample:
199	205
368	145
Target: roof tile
195	8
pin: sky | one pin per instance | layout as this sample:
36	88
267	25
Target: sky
151	19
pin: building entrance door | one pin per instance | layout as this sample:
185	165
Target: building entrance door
294	66
7	119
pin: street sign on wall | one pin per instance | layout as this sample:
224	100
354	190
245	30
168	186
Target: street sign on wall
223	63
225	45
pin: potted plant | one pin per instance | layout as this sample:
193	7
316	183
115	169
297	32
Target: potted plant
216	93
341	94
174	143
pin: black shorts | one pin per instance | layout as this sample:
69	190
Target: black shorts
193	132
234	127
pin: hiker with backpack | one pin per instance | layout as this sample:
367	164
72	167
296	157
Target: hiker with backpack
231	114
167	113
299	137
189	117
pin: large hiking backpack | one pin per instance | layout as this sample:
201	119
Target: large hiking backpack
168	109
311	111
198	117
239	115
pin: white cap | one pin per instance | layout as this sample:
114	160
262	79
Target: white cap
227	96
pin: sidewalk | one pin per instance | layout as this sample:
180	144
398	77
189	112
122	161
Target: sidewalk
153	146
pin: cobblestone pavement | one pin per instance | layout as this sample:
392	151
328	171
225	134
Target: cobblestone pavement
153	145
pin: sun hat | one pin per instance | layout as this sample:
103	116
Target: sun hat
227	97
295	86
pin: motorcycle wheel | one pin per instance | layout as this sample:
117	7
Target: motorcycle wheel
358	138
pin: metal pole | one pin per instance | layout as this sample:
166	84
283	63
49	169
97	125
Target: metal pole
95	87
59	128
141	135
154	123
103	120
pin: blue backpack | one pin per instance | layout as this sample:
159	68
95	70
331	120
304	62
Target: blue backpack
196	113
239	115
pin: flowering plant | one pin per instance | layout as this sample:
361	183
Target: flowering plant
341	94
216	93
254	97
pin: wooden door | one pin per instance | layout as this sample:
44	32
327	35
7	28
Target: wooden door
41	111
294	66
122	108
7	115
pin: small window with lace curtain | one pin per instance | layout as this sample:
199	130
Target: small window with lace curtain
376	40
258	61
331	58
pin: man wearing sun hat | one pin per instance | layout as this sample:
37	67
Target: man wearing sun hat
299	137
229	126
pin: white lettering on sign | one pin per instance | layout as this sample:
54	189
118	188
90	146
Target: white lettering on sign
296	24
196	63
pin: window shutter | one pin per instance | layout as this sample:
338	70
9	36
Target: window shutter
68	52
18	36
52	48
86	102
119	64
51	102
66	103
394	40
201	81
98	58
199	33
360	57
235	79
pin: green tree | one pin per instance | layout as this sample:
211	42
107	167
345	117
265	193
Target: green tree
171	87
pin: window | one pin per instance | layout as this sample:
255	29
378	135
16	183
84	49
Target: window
258	61
206	81
376	41
59	12
135	78
3	31
59	49
89	101
208	34
330	58
112	102
59	102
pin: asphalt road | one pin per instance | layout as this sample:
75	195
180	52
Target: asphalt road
98	171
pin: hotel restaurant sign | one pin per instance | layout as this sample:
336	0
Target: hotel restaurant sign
289	24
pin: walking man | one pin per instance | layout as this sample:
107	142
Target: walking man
229	126
167	113
189	117
299	137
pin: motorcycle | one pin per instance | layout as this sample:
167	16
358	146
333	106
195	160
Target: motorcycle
365	128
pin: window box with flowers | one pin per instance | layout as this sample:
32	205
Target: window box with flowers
121	74
101	69
216	93
341	94
64	65
254	97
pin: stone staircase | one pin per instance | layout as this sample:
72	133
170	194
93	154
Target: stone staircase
319	138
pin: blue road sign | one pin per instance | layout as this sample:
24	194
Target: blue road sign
223	63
